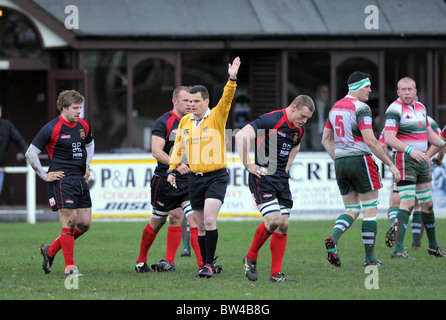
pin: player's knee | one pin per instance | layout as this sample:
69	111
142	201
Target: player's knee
209	222
282	228
427	206
175	220
425	199
272	221
157	223
407	206
201	228
83	227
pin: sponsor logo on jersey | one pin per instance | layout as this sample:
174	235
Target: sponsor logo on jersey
160	203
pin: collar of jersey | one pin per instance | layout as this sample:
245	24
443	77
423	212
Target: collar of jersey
403	104
205	115
292	126
173	113
69	124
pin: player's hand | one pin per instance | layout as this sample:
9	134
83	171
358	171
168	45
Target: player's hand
172	180
419	156
87	174
256	170
233	68
54	176
437	161
396	174
183	169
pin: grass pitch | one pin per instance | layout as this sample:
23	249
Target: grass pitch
106	257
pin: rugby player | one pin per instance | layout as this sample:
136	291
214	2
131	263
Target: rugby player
277	136
69	142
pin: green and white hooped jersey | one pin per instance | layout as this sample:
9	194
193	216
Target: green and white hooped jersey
347	118
410	123
434	125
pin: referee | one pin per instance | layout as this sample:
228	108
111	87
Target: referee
201	135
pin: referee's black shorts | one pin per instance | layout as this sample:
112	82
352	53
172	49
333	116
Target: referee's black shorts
70	193
207	185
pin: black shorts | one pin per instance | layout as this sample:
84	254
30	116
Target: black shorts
71	193
207	185
164	196
266	189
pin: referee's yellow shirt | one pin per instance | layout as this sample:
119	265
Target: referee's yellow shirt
204	143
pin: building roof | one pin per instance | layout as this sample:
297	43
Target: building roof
251	18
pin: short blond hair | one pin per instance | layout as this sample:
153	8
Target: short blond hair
304	101
406	79
177	91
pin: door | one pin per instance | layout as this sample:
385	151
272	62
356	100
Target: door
59	80
152	77
23	98
372	62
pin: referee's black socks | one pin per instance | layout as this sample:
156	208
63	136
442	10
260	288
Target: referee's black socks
211	239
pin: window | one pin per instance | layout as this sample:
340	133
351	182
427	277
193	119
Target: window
153	85
108	71
18	39
309	74
401	64
205	68
441	89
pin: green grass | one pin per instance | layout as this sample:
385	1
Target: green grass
106	256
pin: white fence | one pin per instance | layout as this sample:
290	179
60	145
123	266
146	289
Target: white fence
30	189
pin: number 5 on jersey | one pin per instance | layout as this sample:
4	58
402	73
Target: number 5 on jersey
339	126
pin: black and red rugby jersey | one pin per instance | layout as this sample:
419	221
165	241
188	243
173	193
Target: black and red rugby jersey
65	143
270	128
166	127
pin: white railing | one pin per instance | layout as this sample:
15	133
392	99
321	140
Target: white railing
30	189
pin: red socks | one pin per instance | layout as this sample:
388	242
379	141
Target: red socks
148	236
260	237
174	235
56	245
277	246
66	239
195	246
173	242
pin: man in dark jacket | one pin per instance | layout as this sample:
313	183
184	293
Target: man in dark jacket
8	132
